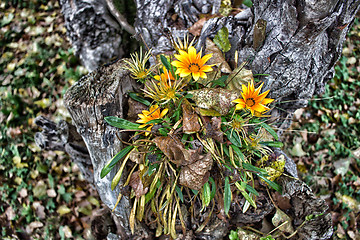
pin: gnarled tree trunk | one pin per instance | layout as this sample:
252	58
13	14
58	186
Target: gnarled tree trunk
303	40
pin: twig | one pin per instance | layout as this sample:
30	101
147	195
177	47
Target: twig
120	18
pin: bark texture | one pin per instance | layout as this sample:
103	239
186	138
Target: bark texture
302	43
94	33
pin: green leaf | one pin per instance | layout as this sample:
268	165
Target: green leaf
238	152
110	165
273	144
220	81
233	138
272	184
267	238
139	99
248	3
269	129
241	186
221	39
179	192
165	62
213	188
233	235
227	196
207	194
163	131
151	194
248	166
121	123
251	190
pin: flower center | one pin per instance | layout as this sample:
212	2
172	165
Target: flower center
194	67
250	102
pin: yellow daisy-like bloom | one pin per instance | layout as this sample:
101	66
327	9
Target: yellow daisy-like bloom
192	63
253	100
137	65
153	113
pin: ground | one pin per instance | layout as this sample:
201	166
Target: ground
43	195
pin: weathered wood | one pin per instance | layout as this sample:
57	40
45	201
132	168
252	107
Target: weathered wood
99	94
64	137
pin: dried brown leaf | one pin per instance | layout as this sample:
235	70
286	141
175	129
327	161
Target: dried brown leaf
137	184
196	174
213	129
190	118
238	77
175	150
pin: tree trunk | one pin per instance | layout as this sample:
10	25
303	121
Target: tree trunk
302	43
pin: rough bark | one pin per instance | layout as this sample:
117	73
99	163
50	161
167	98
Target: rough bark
64	137
94	33
303	41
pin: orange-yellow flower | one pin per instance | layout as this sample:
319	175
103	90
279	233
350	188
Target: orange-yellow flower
192	63
153	113
165	77
252	100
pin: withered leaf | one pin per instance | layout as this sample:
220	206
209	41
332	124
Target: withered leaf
217	57
136	157
213	129
196	174
196	28
218	99
239	76
190	118
175	150
137	184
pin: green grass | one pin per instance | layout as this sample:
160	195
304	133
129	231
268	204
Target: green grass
38	66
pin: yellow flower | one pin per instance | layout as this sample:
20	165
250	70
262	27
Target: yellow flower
179	45
165	77
137	65
164	90
252	100
153	113
192	63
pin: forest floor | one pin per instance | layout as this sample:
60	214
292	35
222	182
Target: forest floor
42	193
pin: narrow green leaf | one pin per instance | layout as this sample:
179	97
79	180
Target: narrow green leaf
165	62
207	193
269	129
273	144
241	186
179	193
121	123
221	39
110	165
238	152
227	196
154	121
272	184
233	138
151	194
248	166
139	99
213	188
251	190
